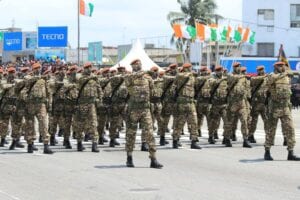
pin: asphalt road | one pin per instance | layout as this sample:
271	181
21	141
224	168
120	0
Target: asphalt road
212	173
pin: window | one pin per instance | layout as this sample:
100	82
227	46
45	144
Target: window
295	15
265	49
265	17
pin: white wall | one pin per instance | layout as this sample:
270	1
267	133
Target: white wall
289	37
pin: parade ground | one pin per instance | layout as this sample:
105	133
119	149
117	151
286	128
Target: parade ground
212	173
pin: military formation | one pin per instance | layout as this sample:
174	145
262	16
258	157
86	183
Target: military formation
83	102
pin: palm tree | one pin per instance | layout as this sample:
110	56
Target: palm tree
200	10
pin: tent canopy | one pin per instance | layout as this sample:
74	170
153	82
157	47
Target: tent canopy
137	52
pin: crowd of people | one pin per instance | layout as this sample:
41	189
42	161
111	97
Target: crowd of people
83	101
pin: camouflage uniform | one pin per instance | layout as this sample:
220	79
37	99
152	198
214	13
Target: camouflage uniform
118	106
258	100
203	89
185	108
219	104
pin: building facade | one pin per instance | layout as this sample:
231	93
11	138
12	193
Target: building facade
275	22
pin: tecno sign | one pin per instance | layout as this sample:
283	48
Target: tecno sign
12	41
53	36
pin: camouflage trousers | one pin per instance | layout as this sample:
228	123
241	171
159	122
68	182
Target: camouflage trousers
186	112
167	110
39	111
285	116
85	121
4	122
144	117
217	112
54	121
156	109
237	110
117	116
18	123
203	110
258	109
103	118
69	111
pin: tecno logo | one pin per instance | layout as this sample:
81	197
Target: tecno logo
12	41
53	36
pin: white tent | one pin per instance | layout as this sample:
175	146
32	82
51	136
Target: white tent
136	52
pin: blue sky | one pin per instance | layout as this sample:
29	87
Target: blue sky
114	21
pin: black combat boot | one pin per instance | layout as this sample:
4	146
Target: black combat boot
199	133
60	132
144	147
87	137
95	147
155	164
67	144
47	150
224	140
246	144
284	141
19	144
30	148
233	137
227	142
211	140
52	140
80	147
251	139
175	144
291	156
40	139
13	145
216	136
194	145
163	141
3	142
129	162
113	143
268	155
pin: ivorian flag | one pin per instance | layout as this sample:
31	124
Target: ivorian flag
86	8
207	32
282	57
184	31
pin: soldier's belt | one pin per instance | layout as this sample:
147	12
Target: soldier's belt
56	101
86	100
219	102
37	100
119	101
138	105
70	101
184	100
155	99
203	100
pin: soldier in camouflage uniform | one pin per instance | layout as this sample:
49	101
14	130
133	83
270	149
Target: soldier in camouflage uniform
203	90
237	106
259	91
18	118
218	100
280	108
89	99
140	86
118	105
71	94
36	107
7	104
184	85
104	110
56	103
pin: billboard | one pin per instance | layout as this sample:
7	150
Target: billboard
12	41
53	36
123	50
50	54
95	52
30	40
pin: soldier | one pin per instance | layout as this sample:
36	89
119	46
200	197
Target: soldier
184	85
7	103
202	95
71	95
218	100
280	108
89	97
104	109
18	121
118	105
56	103
237	106
259	91
140	87
36	107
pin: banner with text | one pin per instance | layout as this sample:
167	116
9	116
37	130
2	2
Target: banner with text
12	41
53	36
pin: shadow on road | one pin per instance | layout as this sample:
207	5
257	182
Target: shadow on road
252	160
115	167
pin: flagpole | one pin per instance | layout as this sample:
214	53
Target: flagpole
78	33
